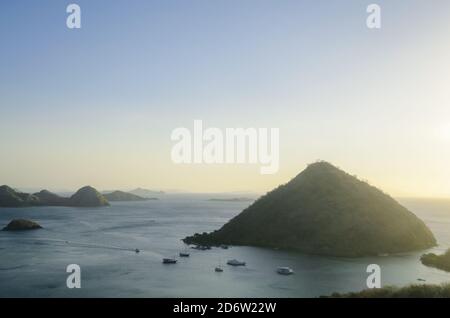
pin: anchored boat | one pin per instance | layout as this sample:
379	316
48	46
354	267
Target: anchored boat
169	261
235	262
285	271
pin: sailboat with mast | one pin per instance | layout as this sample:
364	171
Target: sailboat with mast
219	268
184	253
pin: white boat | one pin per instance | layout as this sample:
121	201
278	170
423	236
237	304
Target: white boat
235	262
169	261
285	271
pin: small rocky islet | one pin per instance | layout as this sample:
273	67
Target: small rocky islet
21	225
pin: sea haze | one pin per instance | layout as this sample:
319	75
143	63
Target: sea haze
102	241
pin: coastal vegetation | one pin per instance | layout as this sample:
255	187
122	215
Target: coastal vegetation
411	291
438	261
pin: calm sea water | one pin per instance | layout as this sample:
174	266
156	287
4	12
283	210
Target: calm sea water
102	240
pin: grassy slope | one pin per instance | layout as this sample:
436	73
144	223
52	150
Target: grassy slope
412	291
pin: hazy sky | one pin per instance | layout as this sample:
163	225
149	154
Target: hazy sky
97	105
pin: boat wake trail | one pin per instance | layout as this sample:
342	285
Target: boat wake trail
68	243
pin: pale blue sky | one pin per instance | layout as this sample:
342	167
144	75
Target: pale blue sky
97	105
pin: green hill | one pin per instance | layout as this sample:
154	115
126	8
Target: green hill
326	211
12	198
48	198
88	197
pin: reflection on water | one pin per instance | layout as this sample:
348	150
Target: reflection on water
103	242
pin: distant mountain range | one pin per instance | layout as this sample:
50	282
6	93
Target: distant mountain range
125	196
84	197
240	199
145	193
326	211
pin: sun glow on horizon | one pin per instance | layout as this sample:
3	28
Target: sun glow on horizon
443	132
98	106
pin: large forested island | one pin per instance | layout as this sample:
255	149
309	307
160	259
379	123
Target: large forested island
325	211
84	197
